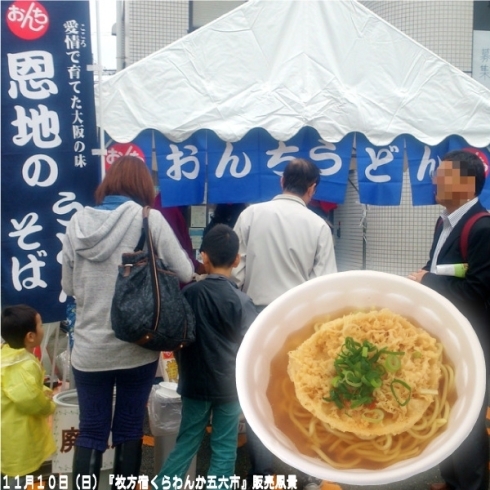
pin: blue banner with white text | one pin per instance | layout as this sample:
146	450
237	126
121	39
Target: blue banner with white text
48	134
380	171
233	169
250	170
423	161
181	169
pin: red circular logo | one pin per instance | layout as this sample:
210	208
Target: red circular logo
118	150
482	157
27	20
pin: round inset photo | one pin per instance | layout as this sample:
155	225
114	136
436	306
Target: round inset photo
361	377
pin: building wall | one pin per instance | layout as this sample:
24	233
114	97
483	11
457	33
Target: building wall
446	28
151	25
204	12
348	229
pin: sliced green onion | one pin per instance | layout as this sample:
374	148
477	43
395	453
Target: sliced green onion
365	400
417	355
375	415
334	398
351	379
392	363
405	385
359	371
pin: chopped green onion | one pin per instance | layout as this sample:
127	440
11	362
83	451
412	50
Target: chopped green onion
359	371
334	398
392	363
374	415
417	355
364	400
405	385
351	379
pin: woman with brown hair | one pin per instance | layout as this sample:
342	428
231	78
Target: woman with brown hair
95	239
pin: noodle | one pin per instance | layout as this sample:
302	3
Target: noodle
343	449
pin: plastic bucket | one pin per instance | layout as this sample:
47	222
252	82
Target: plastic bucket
65	432
164	410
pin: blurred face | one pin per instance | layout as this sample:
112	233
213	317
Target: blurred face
452	189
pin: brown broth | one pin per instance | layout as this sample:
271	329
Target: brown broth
281	386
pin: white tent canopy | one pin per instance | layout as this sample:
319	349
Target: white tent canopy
282	65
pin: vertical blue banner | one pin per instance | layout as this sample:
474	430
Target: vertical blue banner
423	161
380	171
234	169
273	157
333	159
48	133
455	142
140	147
181	169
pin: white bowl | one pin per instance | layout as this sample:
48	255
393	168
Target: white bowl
360	289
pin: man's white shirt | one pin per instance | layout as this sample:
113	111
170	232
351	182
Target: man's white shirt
449	221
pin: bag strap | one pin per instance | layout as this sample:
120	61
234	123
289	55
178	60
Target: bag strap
141	241
153	268
465	234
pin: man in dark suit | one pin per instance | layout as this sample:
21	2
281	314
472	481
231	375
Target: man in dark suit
459	180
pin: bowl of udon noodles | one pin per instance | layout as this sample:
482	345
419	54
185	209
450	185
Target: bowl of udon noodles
361	377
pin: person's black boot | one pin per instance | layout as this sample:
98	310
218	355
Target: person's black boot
127	460
86	462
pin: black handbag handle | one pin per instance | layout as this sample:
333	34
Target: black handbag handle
153	268
141	241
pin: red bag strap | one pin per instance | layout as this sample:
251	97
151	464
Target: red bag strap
464	238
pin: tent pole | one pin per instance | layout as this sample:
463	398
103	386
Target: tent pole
99	74
120	36
364	237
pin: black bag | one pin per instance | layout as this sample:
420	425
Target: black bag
148	307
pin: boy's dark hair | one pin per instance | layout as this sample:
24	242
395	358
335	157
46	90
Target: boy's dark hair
17	322
469	165
300	174
221	245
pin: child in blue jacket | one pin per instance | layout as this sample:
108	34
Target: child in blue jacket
207	367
